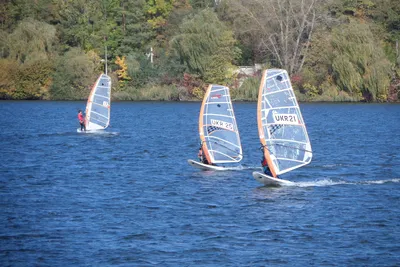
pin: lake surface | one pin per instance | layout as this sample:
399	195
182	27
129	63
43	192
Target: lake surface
129	197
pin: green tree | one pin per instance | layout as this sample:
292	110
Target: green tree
86	23
8	78
318	63
136	31
32	40
25	81
181	10
158	11
77	22
202	4
387	14
14	11
207	47
359	64
29	50
33	80
75	73
142	71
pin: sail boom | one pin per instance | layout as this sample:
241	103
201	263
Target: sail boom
227	161
291	169
292	160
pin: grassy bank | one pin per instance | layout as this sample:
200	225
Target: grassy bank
149	93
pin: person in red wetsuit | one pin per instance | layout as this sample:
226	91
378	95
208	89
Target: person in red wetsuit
81	120
264	164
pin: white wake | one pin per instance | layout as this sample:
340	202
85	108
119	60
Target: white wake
330	182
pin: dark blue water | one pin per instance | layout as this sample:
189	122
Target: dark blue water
129	198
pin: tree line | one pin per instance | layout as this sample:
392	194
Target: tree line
334	50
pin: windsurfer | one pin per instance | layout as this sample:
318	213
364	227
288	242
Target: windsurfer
201	156
264	164
81	120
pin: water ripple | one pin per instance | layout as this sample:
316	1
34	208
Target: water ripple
129	198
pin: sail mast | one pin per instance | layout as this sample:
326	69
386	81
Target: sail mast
261	132
106	58
201	125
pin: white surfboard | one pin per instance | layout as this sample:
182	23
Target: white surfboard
207	167
90	131
270	181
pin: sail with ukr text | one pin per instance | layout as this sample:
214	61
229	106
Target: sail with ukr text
281	127
218	128
98	105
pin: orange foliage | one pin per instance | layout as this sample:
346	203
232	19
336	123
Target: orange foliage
122	73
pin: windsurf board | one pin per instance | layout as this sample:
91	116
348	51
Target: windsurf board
206	167
270	181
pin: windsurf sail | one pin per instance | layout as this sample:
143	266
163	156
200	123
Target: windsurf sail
281	127
98	104
217	127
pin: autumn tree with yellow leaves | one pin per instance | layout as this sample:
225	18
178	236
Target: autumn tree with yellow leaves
122	72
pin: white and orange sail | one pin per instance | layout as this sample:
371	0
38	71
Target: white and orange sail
281	127
217	127
98	104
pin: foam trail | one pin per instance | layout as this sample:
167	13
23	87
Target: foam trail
324	182
395	180
250	167
329	182
100	133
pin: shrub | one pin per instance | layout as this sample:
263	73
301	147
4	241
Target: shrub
248	90
155	93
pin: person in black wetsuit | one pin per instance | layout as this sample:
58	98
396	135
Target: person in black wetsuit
201	156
